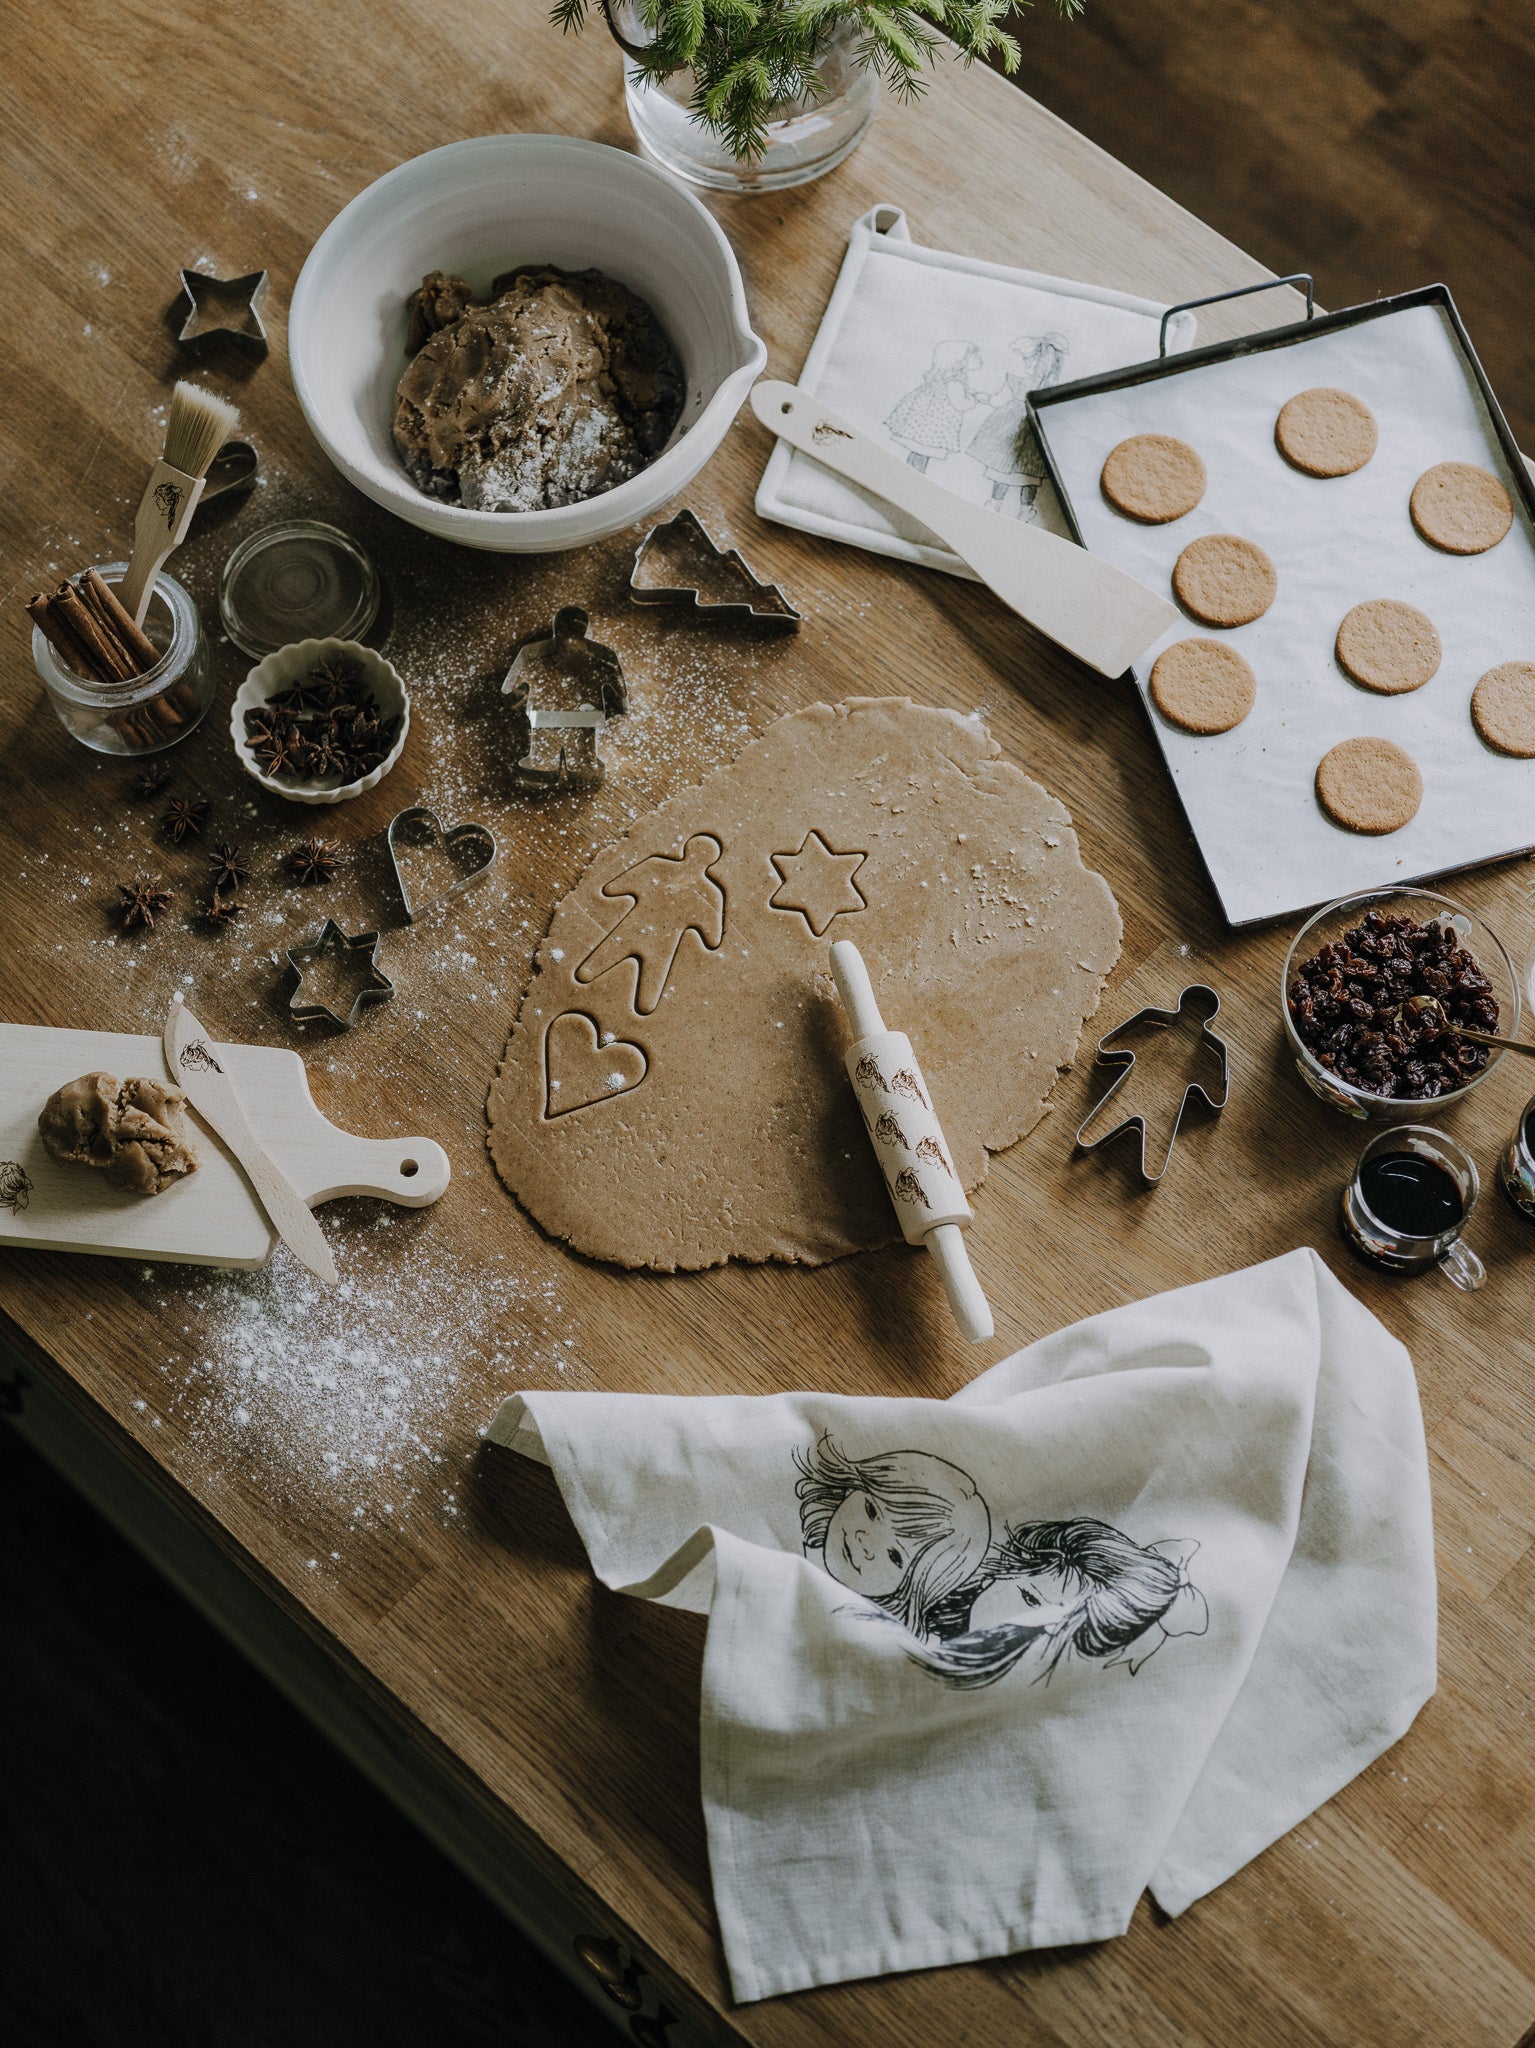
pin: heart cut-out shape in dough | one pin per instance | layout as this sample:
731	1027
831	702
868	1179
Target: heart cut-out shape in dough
579	1069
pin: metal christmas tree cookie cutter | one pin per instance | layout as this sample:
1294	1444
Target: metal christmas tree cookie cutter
767	609
1198	998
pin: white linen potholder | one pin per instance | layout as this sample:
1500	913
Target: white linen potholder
1139	1599
932	354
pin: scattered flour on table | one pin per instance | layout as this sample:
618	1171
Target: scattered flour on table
368	1397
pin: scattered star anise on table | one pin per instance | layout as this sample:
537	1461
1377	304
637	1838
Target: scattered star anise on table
186	818
142	902
224	866
151	780
222	910
315	860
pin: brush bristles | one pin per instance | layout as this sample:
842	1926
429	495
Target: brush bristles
200	424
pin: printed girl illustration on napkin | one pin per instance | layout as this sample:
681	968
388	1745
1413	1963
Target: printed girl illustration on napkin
913	1535
928	419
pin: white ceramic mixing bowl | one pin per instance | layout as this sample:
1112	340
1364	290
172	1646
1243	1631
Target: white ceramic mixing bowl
481	207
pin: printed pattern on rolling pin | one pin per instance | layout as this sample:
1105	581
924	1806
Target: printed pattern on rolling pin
908	1142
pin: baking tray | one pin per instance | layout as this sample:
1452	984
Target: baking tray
1249	794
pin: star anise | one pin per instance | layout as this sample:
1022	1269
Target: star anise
224	866
222	910
142	902
152	779
315	860
334	674
186	818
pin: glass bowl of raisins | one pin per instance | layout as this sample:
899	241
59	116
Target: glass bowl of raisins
1372	990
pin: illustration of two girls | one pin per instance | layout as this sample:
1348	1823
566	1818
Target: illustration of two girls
929	420
912	1533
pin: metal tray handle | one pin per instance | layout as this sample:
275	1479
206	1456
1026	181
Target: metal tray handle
1241	291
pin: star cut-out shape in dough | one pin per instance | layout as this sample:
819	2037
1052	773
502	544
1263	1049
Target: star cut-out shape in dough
817	882
225	308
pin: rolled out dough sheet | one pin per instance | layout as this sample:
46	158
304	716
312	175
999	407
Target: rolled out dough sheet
672	1093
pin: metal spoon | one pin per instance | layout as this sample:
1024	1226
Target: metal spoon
1432	1011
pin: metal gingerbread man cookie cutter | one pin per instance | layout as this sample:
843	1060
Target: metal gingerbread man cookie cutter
1198	998
564	661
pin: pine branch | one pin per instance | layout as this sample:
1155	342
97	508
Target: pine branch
753	59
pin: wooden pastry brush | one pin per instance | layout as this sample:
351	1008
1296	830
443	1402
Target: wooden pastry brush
199	425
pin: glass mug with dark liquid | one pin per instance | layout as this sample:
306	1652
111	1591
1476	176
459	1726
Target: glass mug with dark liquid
1516	1169
1411	1196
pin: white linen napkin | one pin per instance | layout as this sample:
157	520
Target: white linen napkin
934	354
980	1671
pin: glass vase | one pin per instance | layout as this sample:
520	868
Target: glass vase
806	138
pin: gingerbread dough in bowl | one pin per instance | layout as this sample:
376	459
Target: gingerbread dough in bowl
672	1093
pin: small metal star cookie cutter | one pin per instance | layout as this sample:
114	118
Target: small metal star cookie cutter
449	836
222	309
334	943
767	609
1206	1004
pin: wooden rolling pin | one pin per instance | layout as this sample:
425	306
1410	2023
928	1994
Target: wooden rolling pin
898	1115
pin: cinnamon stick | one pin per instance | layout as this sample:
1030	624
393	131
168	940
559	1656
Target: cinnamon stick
107	652
55	628
103	600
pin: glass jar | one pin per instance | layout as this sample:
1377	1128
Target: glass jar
145	713
806	138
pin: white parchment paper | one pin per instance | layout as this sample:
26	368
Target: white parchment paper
1249	794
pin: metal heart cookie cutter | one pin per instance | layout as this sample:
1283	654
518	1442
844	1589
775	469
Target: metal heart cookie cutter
1197	999
764	605
429	829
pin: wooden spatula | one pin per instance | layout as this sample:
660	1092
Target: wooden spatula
1094	610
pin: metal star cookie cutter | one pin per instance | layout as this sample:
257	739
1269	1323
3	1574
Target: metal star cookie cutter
767	608
449	836
1206	1004
333	943
226	309
572	656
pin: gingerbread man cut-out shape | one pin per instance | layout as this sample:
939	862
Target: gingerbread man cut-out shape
817	881
669	896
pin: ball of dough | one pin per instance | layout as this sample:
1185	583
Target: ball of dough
122	1129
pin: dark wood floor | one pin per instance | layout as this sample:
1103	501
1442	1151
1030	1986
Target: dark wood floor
1380	144
182	1861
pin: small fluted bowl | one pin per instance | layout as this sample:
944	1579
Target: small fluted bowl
279	672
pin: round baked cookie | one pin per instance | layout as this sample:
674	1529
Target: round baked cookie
1154	478
1503	708
1369	785
1203	685
1222	580
1460	508
1388	646
1326	432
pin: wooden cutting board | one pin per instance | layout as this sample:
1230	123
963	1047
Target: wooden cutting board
211	1218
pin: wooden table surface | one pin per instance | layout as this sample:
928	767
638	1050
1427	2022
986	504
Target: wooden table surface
332	1445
